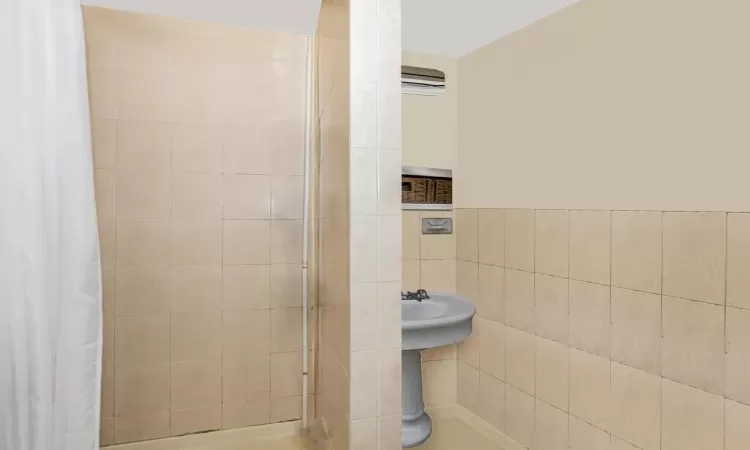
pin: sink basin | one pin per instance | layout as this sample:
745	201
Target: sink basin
442	319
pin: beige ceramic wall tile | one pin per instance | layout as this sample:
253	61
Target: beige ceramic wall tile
364	316
389	432
102	84
236	414
467	280
691	419
247	241
142	242
246	287
104	142
411	233
467	351
246	196
440	382
590	388
636	250
520	359
195	242
590	317
467	241
437	246
286	285
492	348
551	427
439	275
695	256
142	291
141	427
389	315
584	436
364	370
389	249
246	333
141	340
389	180
364	434
468	386
195	384
239	155
195	337
439	353
520	416
590	246
636	329
737	417
490	301
107	431
286	197
286	242
286	377
519	299
195	195
142	193
491	403
551	307
194	420
693	343
143	145
519	239
246	379
286	335
551	242
141	389
491	229
619	444
410	276
389	398
195	289
552	373
196	148
738	355
738	260
636	406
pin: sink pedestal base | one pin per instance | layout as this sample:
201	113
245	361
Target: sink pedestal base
416	424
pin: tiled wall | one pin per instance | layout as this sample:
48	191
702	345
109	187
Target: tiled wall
429	262
198	144
375	227
331	212
599	328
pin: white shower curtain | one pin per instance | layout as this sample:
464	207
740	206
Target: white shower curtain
50	288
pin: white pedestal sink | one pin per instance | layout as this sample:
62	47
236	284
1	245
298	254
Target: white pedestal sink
442	319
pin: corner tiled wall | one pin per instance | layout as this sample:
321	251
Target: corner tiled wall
198	136
331	212
429	262
599	328
375	240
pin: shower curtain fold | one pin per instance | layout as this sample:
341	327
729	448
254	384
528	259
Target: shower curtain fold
50	282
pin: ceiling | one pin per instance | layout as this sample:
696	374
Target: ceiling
456	27
443	27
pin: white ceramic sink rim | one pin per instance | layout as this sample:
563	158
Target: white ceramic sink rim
437	311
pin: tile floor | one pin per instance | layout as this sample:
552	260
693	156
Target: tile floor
452	433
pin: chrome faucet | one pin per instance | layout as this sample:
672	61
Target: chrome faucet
419	295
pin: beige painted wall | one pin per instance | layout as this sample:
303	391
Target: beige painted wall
616	104
198	134
430	124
